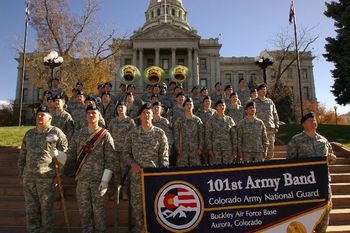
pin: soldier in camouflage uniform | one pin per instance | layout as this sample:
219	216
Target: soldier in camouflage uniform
234	109
266	111
107	107
51	104
177	111
113	98
145	146
122	92
37	172
251	136
188	137
46	94
227	93
253	94
197	99
132	108
243	92
310	144
220	135
62	119
95	172
218	94
56	90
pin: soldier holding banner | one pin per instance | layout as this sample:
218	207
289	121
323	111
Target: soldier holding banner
145	146
311	144
37	172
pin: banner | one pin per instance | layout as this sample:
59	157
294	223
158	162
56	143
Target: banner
274	196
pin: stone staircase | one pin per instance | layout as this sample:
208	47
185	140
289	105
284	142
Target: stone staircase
12	210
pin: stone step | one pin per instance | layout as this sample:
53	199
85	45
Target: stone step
340	188
17	190
8	171
341	201
8	163
339	168
340	216
9	229
340	177
339	229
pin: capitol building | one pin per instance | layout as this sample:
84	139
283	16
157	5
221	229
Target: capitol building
166	39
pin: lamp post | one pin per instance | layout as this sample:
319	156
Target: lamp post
336	115
53	60
264	60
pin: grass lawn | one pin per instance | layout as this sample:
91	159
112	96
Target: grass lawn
334	133
13	135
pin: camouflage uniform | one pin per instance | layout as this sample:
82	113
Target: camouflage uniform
243	96
252	139
108	112
175	113
220	135
205	115
266	111
216	96
236	112
92	206
79	116
147	148
164	124
37	170
188	137
61	92
197	102
64	121
304	146
133	111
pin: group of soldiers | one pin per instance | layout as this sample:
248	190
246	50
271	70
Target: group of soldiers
104	134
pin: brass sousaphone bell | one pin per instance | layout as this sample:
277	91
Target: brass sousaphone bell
128	74
153	75
179	74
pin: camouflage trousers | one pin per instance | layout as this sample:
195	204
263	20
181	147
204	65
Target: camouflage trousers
136	201
253	156
188	158
271	136
221	157
39	199
92	207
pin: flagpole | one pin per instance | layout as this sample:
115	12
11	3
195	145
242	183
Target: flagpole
23	63
298	60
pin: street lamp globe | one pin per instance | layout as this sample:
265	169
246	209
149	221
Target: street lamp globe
264	60
53	60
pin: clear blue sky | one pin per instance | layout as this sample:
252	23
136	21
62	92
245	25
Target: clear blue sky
246	27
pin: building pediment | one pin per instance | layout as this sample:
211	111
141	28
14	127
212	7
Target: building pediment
165	32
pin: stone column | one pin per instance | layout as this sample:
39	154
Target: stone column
217	66
139	82
173	57
157	56
212	78
189	55
134	57
195	68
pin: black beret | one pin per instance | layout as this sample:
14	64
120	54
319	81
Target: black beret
145	106
228	87
74	89
240	80
105	93
58	97
91	107
250	103
156	85
177	86
80	93
122	84
100	86
307	116
172	82
194	88
252	91
189	99
108	84
79	83
90	98
218	83
120	103
233	93
129	94
51	97
204	89
131	85
47	92
154	95
219	101
261	86
55	78
206	98
43	108
157	104
181	93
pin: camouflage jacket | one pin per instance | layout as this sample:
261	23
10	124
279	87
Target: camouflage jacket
164	124
189	133
119	128
266	111
64	121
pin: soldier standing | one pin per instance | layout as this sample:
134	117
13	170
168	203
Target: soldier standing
234	109
37	172
243	92
266	111
177	111
92	151
251	136
188	137
220	135
62	119
311	144
145	146
56	90
217	92
107	107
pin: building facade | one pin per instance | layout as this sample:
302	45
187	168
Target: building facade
166	39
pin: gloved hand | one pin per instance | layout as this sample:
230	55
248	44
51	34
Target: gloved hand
102	188
53	152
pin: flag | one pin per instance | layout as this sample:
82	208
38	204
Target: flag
291	12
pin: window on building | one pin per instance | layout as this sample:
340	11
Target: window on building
165	64
127	61
173	12
203	64
228	78
158	12
203	82
180	14
150	62
181	61
304	74
240	75
25	94
306	94
152	14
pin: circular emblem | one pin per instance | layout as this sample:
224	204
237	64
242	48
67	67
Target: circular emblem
178	206
296	227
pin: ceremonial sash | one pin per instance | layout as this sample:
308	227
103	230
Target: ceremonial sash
88	147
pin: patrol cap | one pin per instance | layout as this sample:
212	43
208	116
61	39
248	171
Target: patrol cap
188	99
204	89
108	84
218	83
181	93
105	93
79	84
90	98
91	107
307	116
228	87
206	98
43	108
120	103
240	80
250	103
194	88
233	93
252	91
47	92
261	86
157	104
219	101
145	106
